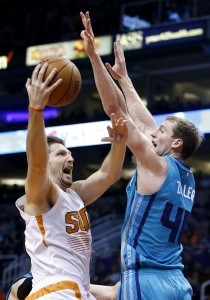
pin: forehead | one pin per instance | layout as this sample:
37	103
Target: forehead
168	125
56	147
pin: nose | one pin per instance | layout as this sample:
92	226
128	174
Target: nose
70	158
154	134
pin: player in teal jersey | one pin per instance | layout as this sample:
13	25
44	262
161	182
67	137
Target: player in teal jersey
161	193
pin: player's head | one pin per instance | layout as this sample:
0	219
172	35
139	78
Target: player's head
52	139
189	133
177	135
60	162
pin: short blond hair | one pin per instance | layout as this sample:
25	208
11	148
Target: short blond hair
189	133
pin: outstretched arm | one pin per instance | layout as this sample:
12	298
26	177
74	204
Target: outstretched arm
37	181
110	171
113	102
111	96
136	108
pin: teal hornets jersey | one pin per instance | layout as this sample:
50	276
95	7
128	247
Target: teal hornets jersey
154	224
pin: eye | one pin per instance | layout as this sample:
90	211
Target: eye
61	153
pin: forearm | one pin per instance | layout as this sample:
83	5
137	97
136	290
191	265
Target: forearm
103	292
136	108
110	94
36	143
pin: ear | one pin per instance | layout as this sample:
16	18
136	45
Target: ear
177	144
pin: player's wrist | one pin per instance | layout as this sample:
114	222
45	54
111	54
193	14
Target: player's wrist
124	78
30	107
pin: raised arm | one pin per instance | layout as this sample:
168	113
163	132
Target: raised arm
111	96
136	108
113	102
110	171
37	182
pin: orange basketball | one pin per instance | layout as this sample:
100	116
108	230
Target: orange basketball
70	86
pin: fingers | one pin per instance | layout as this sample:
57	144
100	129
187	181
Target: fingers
120	122
87	15
107	139
83	19
41	72
54	85
89	27
118	132
82	15
49	77
36	72
38	78
88	36
116	52
120	49
28	83
86	22
112	71
113	119
84	34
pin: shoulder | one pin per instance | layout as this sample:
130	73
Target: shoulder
76	187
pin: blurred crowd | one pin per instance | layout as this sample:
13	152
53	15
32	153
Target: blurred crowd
50	21
40	22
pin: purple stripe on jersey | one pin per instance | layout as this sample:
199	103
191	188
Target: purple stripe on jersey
143	220
120	291
138	264
138	289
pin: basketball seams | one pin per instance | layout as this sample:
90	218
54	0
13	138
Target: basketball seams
68	84
72	72
63	67
54	61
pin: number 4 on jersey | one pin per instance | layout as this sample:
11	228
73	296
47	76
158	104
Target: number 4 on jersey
178	224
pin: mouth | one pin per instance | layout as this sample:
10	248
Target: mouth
154	144
67	170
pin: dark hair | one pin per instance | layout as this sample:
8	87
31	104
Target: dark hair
52	139
189	133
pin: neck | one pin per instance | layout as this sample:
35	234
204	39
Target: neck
175	155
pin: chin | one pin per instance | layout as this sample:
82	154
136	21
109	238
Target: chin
69	183
156	151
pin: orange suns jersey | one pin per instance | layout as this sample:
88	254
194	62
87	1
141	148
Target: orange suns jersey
59	242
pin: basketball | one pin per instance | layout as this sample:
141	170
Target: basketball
70	86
